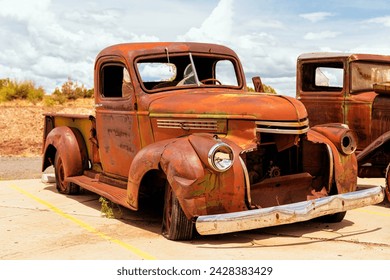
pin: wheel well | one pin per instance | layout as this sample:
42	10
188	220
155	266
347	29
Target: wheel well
48	159
152	190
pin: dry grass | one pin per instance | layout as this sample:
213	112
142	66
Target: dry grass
21	124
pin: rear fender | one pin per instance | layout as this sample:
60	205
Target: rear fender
71	145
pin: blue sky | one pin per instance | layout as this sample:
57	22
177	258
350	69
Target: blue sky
48	41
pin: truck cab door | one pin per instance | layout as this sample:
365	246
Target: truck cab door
116	118
320	87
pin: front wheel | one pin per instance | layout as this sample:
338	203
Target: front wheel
334	218
60	173
175	224
387	183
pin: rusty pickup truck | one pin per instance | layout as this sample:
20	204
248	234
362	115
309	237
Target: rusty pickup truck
175	124
353	89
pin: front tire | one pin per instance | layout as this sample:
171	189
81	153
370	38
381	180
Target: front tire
60	173
175	225
387	183
334	218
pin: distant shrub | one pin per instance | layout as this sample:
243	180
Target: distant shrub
26	90
71	90
49	101
267	89
12	90
58	96
6	93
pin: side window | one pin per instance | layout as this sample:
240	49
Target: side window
115	81
322	77
329	77
225	73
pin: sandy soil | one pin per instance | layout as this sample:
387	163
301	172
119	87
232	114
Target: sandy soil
21	125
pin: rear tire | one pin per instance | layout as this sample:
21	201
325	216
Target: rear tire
175	225
59	170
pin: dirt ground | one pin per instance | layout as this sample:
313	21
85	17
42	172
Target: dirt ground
21	125
362	235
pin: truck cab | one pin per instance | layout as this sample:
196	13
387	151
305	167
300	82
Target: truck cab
352	89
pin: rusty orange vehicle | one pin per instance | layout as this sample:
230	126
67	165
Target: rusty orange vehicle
353	89
175	123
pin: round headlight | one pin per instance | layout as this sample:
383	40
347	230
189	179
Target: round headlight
348	143
220	157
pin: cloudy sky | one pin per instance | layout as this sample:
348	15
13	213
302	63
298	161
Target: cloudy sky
48	41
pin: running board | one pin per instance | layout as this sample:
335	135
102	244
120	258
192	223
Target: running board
113	193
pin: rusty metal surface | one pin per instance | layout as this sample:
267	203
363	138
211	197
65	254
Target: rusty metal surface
365	111
151	135
70	144
345	166
287	214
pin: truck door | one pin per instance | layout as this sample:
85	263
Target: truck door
360	113
320	87
116	119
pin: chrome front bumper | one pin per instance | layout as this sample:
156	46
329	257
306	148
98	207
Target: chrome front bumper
287	214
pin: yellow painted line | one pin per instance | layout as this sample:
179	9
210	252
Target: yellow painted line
373	212
84	225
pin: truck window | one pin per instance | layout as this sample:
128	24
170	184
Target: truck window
329	77
225	73
156	73
186	70
322	77
115	81
364	75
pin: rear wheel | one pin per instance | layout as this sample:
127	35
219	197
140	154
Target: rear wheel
59	170
175	225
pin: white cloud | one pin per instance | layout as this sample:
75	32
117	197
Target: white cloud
258	50
23	10
385	21
49	41
315	17
216	28
321	35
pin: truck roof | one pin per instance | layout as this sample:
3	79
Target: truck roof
349	56
136	49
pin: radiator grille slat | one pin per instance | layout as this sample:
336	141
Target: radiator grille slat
279	127
189	124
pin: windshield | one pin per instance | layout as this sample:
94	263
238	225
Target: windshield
364	75
186	70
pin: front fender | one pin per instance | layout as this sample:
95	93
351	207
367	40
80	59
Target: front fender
345	166
199	190
71	145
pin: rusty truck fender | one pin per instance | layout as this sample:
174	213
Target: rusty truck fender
199	190
341	143
70	144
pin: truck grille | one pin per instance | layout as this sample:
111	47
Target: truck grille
211	125
278	127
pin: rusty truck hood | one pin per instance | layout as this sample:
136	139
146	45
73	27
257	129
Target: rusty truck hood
241	105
